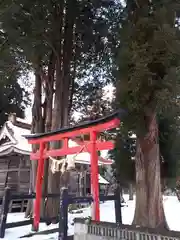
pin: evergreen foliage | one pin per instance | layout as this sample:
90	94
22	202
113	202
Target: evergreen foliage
169	141
124	157
35	31
149	60
13	97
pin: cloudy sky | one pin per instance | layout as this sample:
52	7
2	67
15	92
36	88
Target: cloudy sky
29	88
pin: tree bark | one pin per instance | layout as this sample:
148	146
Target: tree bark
177	194
47	119
52	205
177	188
68	56
149	203
37	127
60	117
131	194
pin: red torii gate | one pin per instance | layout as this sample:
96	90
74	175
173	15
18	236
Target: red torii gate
92	128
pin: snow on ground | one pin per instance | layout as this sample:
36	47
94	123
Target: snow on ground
171	206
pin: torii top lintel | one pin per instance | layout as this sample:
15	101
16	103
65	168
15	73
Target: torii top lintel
105	123
99	125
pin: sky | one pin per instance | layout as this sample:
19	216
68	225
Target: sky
29	88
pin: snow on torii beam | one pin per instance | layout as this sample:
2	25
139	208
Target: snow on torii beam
92	146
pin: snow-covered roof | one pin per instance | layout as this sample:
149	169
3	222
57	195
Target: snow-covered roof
102	180
19	144
23	120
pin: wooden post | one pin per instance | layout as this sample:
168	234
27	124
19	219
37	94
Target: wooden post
39	180
4	212
117	205
85	183
131	191
78	187
81	181
63	221
94	178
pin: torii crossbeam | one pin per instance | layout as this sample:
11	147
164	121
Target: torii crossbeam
92	128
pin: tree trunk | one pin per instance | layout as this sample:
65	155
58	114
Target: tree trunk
131	193
177	194
37	127
60	117
149	203
81	183
177	188
49	91
52	205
